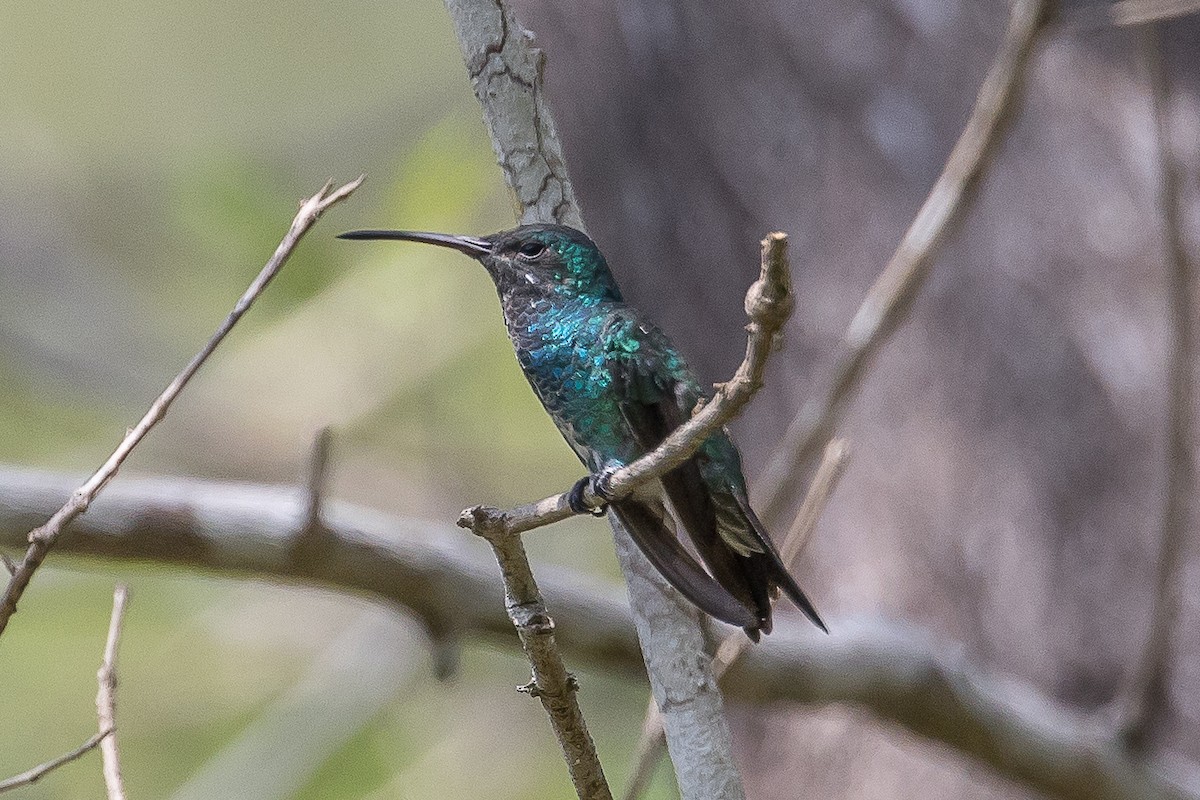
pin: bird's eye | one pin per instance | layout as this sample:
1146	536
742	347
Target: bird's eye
531	249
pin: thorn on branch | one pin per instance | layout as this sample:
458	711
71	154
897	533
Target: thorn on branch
318	467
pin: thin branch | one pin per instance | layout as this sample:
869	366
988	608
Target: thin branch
37	773
1149	695
652	742
551	683
1140	12
897	672
890	298
42	538
768	305
106	697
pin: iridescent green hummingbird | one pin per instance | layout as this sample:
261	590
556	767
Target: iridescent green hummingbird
616	386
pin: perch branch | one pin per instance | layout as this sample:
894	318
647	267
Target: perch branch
896	672
551	683
890	298
106	698
1149	696
43	537
652	742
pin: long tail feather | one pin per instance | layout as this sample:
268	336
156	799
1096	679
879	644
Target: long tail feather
779	572
676	564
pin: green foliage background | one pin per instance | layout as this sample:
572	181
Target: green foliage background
151	155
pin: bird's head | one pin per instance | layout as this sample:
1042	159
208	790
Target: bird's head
549	259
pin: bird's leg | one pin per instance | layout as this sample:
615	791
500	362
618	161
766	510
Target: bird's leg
598	485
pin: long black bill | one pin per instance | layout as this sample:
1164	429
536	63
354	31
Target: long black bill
471	245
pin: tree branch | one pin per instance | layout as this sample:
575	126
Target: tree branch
1140	12
1149	694
890	298
106	736
896	672
37	773
551	683
106	698
43	537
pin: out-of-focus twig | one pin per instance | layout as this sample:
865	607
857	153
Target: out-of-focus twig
651	743
37	773
1149	694
889	299
42	538
106	697
1140	12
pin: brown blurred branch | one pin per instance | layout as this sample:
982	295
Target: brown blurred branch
551	683
43	537
651	742
37	773
1149	694
106	697
896	672
1140	12
890	298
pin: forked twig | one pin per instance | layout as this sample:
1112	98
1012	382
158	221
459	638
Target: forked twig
106	697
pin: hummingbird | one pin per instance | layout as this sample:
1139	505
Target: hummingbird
616	386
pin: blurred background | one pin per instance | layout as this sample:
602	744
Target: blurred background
1006	486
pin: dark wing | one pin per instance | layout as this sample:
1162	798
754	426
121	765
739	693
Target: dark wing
675	563
778	570
660	395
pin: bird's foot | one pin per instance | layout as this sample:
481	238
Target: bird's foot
598	485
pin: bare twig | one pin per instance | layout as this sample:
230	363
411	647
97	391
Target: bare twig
651	742
106	697
42	538
551	683
891	296
768	305
1149	694
1140	12
897	672
37	773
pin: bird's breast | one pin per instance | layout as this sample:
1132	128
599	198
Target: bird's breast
562	353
